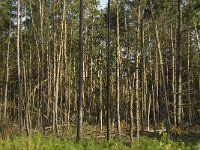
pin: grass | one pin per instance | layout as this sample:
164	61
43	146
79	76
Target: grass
39	142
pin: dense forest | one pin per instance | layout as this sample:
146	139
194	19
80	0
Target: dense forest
128	69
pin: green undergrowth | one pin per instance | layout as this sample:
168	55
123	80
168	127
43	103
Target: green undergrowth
39	142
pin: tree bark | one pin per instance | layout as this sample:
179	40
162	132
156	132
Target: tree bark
7	75
189	80
168	127
19	65
81	90
179	66
108	76
138	53
118	59
42	64
173	75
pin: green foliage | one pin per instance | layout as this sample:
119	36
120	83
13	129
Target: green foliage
4	17
163	143
39	142
49	143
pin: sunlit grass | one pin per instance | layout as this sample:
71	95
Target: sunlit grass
39	142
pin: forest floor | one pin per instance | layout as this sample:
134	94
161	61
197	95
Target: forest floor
92	139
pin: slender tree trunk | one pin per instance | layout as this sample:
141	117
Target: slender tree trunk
101	100
49	78
7	75
162	70
189	80
137	73
19	65
179	71
42	64
108	77
118	74
35	31
81	90
55	67
130	87
131	105
151	96
148	113
68	71
28	110
173	75
143	97
26	76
